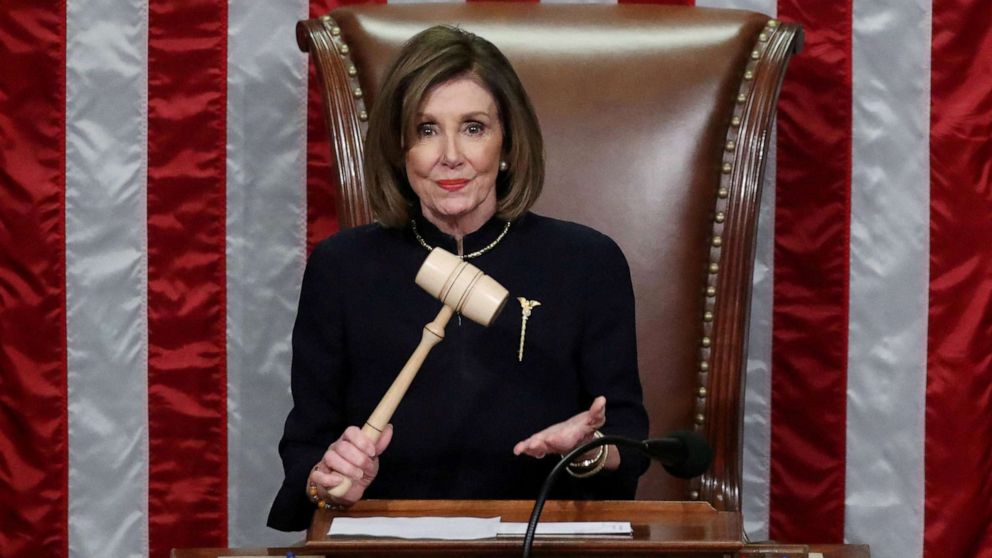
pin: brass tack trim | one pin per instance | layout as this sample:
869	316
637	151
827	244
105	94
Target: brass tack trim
335	31
711	291
352	70
693	495
723	193
755	55
741	98
719	497
344	49
763	37
717	241
731	145
727	167
325	17
704	366
735	121
773	23
358	92
700	419
701	392
363	116
708	316
720	217
714	268
706	342
749	75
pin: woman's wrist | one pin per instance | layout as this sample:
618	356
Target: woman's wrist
588	466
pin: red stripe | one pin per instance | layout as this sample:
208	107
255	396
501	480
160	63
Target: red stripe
187	386
958	455
33	413
810	314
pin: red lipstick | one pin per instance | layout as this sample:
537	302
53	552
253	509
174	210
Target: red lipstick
452	184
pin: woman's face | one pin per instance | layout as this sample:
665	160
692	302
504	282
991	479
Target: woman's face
454	156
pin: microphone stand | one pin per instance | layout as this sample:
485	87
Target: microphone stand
565	460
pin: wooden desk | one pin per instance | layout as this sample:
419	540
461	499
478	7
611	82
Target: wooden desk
669	529
749	551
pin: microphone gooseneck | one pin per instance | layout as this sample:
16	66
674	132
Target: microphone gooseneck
683	454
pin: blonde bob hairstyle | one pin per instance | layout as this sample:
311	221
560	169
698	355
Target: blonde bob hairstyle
432	57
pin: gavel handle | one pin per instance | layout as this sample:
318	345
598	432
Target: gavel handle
433	334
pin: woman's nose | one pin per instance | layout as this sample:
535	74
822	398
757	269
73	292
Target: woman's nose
452	155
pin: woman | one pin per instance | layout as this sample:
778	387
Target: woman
454	159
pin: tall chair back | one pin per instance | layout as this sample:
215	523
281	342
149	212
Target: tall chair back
656	122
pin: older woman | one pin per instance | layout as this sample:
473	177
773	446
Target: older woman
454	159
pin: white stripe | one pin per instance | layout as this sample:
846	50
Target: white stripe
266	239
106	271
767	7
758	389
757	394
889	276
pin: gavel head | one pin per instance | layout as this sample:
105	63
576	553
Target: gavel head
462	286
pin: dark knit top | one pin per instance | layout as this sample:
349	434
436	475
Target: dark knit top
361	315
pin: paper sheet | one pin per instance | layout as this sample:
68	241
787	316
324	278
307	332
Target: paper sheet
565	528
465	528
445	528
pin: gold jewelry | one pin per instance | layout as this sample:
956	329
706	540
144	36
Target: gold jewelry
526	306
476	254
589	467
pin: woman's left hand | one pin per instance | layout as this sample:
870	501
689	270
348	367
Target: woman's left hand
564	436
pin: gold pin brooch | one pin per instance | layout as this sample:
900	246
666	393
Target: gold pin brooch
526	306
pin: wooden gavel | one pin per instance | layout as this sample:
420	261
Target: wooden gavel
462	288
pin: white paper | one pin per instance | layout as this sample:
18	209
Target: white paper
566	528
466	528
443	528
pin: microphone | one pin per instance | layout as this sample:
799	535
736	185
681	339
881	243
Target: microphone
683	454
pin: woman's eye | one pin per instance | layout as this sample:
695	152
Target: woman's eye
426	130
474	128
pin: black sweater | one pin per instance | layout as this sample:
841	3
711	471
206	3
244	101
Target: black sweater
361	315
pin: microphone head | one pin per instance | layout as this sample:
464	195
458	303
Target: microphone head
698	455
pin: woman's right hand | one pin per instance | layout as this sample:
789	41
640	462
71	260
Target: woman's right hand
354	455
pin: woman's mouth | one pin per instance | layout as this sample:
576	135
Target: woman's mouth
452	184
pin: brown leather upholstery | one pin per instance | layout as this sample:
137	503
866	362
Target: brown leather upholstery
655	120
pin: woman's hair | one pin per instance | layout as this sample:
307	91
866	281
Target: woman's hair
432	57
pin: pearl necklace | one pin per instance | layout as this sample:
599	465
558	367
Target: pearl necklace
476	254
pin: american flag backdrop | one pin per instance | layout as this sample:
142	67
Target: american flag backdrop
164	170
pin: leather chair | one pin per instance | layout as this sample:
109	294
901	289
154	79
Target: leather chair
656	122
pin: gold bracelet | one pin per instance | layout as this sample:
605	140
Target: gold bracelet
587	463
596	468
591	466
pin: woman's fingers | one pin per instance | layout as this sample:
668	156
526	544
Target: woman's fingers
354	456
360	440
597	413
383	443
562	437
